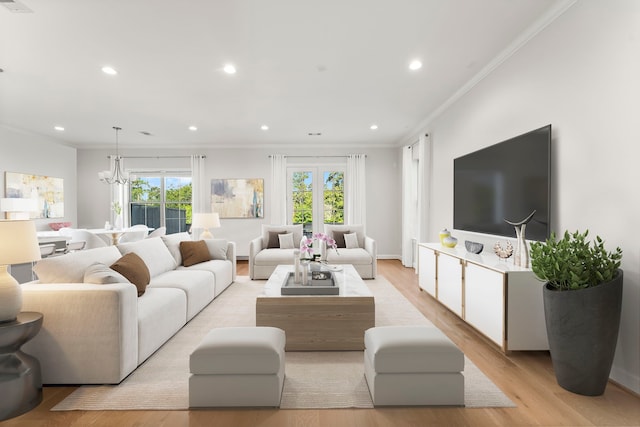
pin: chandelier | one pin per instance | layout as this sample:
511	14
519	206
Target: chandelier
117	176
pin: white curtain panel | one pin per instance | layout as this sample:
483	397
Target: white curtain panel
198	185
278	189
409	205
355	190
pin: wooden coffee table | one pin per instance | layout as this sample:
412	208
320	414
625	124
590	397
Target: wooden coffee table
319	322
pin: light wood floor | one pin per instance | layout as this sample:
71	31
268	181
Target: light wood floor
526	377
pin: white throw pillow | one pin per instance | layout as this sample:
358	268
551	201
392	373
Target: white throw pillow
217	248
155	254
286	241
101	274
351	241
172	241
70	268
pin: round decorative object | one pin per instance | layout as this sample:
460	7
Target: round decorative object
55	226
450	242
444	234
473	247
503	253
10	296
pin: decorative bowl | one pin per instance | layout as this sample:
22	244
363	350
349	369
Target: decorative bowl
55	226
449	242
473	247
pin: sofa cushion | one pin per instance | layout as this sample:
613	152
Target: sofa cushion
295	229
274	239
134	269
351	241
101	274
338	237
153	252
222	271
198	286
333	229
194	252
286	241
172	242
274	257
70	268
217	248
349	256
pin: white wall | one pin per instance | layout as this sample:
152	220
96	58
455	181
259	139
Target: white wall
34	154
581	74
383	184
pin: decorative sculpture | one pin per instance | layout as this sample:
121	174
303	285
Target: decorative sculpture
521	257
503	253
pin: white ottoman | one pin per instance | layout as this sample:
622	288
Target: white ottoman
413	365
242	366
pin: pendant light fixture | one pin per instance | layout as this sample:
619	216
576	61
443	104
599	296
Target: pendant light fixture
117	176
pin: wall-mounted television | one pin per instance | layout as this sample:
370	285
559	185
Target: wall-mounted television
508	180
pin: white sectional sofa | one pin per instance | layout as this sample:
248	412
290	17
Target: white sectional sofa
96	328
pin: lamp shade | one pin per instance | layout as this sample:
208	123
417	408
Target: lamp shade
18	242
18	245
206	220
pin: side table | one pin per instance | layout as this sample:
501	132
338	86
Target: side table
20	374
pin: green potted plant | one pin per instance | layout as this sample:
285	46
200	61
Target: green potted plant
582	303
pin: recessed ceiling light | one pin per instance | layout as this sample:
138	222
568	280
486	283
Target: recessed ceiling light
229	69
264	127
373	127
193	128
315	134
58	128
109	70
415	65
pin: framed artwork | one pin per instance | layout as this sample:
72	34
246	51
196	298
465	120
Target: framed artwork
48	192
238	198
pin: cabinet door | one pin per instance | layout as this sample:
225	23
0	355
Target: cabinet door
427	270
484	301
450	282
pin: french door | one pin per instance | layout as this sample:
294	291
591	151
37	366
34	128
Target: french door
315	196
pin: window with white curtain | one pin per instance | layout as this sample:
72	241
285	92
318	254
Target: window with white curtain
161	199
315	196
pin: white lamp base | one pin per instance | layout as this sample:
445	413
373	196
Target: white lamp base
206	234
10	296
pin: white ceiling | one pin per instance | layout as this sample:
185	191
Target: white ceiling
329	66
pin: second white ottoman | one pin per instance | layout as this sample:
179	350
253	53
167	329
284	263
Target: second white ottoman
240	366
413	365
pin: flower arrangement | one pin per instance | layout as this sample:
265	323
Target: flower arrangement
306	244
115	207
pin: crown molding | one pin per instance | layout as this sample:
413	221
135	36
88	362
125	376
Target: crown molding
532	31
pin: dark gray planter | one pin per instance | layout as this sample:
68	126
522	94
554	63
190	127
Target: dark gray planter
582	327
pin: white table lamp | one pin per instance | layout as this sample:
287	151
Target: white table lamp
206	221
18	245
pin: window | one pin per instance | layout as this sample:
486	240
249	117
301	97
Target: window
161	200
316	197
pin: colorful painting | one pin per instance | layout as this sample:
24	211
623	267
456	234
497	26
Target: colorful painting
47	191
238	198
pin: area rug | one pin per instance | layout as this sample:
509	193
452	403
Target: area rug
313	379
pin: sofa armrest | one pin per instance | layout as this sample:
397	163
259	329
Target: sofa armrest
231	256
255	246
371	246
89	333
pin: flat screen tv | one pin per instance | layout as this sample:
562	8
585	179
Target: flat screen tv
508	180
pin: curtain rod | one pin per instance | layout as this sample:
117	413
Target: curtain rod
157	157
311	156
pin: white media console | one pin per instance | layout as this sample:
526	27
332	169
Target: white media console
500	300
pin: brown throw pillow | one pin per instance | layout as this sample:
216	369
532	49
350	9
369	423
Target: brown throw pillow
194	252
274	240
134	269
338	236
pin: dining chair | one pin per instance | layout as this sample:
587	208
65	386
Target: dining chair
160	231
92	240
134	236
76	245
